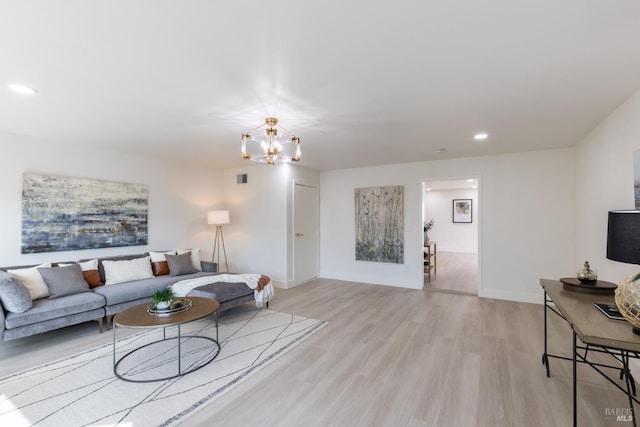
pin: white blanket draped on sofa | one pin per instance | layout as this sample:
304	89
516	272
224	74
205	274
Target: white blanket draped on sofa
183	287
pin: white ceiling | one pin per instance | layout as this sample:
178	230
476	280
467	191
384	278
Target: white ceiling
361	82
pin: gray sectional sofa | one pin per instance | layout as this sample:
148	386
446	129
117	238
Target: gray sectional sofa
103	302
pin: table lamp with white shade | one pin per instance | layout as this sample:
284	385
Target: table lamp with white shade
623	245
218	218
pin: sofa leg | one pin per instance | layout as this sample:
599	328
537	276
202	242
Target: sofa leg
267	304
100	324
109	321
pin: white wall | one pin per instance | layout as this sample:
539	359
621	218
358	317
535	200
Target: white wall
525	220
604	182
450	236
179	195
258	239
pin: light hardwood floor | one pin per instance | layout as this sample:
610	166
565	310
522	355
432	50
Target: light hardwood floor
392	357
456	272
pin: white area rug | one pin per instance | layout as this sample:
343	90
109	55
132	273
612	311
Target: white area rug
82	390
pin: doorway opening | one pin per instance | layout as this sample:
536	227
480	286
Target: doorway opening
450	235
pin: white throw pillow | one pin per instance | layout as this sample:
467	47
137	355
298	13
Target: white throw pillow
195	257
32	280
92	264
127	270
160	256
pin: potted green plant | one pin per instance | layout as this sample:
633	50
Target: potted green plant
162	298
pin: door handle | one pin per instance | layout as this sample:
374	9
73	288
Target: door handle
299	234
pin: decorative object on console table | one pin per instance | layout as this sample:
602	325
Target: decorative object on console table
587	275
623	244
597	287
428	225
218	218
462	210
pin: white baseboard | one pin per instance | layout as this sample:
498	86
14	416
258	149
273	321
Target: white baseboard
534	298
373	280
288	284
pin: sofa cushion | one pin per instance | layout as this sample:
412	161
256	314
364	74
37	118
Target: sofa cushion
159	263
14	295
63	281
32	279
110	258
195	257
139	289
222	291
127	270
136	289
47	309
180	264
91	273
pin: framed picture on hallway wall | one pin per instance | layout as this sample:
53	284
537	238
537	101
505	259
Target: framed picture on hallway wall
462	209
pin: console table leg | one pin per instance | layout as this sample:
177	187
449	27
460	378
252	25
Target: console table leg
628	380
575	382
545	358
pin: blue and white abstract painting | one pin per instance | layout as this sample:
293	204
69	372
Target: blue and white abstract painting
65	214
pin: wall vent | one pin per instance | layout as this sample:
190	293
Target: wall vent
241	178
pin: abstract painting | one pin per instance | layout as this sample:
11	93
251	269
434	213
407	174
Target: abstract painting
65	214
380	224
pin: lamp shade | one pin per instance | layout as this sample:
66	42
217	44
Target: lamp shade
623	236
218	217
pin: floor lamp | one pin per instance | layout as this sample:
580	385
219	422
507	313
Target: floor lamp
218	218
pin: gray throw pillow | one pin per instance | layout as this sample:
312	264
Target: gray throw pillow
63	281
180	264
13	294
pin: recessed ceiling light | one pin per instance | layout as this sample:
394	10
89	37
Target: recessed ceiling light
427	189
441	150
470	180
480	136
25	90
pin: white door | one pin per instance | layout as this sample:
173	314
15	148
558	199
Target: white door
305	233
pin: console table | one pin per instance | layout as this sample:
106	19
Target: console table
430	252
597	334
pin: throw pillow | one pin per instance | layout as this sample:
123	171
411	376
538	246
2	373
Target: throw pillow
90	273
13	294
160	268
195	257
127	270
32	280
64	281
180	264
159	262
160	256
92	277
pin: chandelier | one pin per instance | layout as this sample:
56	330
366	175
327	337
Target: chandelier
271	147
